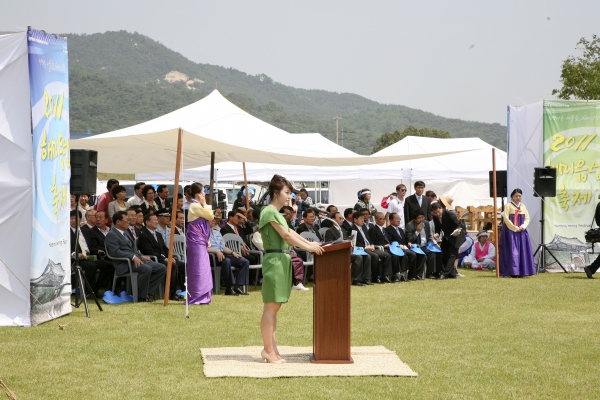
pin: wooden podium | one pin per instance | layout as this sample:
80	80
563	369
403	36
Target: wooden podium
331	306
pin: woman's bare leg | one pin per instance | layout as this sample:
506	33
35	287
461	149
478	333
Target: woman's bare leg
268	324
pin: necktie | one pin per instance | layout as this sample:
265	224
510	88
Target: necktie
132	229
127	238
419	200
236	230
384	235
82	245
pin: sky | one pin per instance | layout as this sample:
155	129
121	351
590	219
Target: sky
459	59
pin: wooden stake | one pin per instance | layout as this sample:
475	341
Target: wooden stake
212	180
246	186
495	220
173	218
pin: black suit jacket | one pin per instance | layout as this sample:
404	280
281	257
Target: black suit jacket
376	236
227	229
333	234
73	241
449	224
326	223
360	242
96	240
168	203
346	225
394	236
411	204
149	246
413	237
304	228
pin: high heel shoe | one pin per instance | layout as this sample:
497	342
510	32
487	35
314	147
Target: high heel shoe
266	358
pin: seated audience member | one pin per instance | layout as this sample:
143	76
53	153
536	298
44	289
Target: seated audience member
454	236
138	198
98	235
164	224
483	253
118	204
328	222
180	223
379	238
89	267
107	198
360	265
132	221
348	221
243	226
162	197
381	262
139	217
118	243
396	234
83	207
308	224
219	216
89	224
149	202
250	221
232	226
418	232
151	243
179	201
288	214
367	218
227	258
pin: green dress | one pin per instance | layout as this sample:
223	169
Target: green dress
276	267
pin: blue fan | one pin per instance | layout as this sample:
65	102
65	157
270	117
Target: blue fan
396	249
414	247
433	248
359	251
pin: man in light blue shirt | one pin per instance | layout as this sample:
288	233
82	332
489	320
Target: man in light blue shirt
226	259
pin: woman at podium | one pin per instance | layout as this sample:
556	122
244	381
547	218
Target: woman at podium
277	265
516	257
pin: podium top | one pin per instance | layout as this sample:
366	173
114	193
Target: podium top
338	246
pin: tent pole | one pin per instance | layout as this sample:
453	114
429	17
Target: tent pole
494	214
246	186
173	219
212	177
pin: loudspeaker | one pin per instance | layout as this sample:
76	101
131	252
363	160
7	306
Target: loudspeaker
84	171
500	184
544	182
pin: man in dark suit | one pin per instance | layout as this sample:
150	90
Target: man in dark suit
408	261
162	197
118	244
381	262
380	237
288	214
98	235
151	243
348	221
415	201
132	221
418	232
328	222
309	217
454	236
180	223
90	223
232	226
89	267
360	265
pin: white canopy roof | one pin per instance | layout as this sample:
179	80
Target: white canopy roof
212	124
472	160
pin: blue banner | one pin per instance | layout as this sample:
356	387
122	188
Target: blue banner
51	255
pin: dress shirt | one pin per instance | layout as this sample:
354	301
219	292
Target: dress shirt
216	240
419	200
135	201
423	237
186	203
166	233
105	232
397	206
235	229
85	250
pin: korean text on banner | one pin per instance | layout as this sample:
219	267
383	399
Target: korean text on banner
572	146
50	258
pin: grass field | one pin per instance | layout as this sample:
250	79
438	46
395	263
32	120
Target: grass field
478	337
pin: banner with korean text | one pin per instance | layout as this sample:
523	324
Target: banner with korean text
50	256
572	146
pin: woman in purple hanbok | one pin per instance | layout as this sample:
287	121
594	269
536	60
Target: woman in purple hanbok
199	278
516	257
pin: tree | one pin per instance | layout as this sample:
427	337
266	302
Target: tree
580	76
389	138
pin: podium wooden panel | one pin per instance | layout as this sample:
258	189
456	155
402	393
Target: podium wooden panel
331	306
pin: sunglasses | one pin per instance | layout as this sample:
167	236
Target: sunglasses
403	190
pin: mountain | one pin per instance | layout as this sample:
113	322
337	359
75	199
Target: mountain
118	79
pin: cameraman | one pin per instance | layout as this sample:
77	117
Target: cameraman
593	267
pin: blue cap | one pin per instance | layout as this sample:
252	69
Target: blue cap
293	196
251	189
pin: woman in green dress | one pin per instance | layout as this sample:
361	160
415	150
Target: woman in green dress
277	265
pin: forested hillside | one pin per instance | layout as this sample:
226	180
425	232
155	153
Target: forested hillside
117	79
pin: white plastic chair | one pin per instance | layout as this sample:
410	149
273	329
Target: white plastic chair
310	258
322	232
235	243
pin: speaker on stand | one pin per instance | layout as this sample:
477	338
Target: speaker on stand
544	185
501	186
84	172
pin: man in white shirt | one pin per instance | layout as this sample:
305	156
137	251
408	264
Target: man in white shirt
138	198
396	205
164	222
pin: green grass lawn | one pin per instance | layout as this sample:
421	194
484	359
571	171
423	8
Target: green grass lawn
478	337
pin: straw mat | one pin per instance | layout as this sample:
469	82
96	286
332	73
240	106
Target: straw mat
246	362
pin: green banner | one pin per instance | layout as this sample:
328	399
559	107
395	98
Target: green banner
572	146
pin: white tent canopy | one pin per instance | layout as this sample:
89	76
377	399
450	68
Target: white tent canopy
212	124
